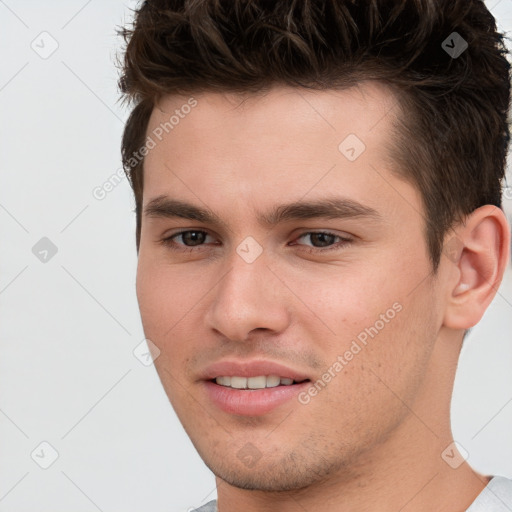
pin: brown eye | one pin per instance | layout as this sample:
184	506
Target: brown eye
189	239
324	241
192	237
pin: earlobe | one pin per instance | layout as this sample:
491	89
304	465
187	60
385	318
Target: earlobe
476	267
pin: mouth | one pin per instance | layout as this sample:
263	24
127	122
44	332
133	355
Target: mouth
251	388
258	382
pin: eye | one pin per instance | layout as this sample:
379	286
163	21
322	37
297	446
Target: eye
190	239
325	241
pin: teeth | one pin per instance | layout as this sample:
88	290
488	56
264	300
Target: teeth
223	381
257	382
239	382
260	382
273	381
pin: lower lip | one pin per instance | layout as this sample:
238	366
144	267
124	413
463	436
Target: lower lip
252	402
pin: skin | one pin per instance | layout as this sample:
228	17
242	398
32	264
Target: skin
372	439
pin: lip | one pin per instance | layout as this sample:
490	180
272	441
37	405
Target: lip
253	368
251	402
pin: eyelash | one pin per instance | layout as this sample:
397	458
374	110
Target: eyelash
169	242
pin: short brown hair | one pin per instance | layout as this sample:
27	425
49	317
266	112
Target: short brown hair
452	138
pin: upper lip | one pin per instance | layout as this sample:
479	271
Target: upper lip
253	368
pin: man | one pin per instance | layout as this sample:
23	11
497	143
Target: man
318	192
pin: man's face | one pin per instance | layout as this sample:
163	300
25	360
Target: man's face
351	316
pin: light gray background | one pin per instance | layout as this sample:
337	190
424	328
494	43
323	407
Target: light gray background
69	326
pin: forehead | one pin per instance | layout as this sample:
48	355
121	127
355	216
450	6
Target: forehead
227	149
366	109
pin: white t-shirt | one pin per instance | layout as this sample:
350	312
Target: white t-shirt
495	497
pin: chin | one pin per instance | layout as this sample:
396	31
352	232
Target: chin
292	473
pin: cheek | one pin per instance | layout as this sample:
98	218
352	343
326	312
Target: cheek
350	301
381	326
381	368
151	296
171	302
165	293
160	304
165	302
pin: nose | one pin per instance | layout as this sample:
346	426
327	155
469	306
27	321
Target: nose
247	298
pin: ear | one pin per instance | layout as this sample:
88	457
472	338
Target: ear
477	254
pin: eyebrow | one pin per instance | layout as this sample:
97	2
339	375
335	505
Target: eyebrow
325	208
